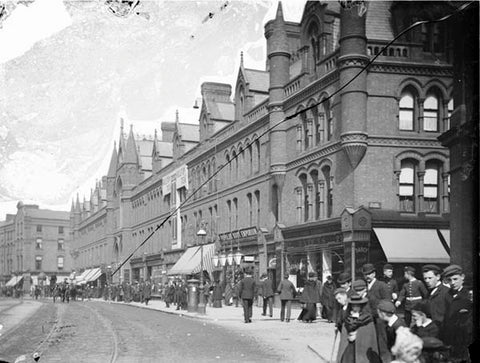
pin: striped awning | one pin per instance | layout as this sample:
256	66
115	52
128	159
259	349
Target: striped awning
95	274
14	280
190	262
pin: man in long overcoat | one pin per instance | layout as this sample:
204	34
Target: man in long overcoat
328	300
267	295
246	291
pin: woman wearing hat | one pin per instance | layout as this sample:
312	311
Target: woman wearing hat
358	341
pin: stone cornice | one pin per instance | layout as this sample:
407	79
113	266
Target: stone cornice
315	154
398	141
412	69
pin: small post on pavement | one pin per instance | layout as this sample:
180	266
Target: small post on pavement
201	302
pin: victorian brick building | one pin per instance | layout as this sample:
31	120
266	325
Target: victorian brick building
360	169
34	243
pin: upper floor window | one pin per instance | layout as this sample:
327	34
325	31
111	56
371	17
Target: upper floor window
406	115
430	188
38	244
60	262
407	186
39	227
449	114
60	245
60	230
430	113
38	262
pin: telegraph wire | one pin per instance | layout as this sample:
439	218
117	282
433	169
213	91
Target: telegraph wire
295	114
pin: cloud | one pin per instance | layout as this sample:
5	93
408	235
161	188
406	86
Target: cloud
28	25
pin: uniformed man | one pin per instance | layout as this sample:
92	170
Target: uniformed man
457	325
413	291
438	297
390	281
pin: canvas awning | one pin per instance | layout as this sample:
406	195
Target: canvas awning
190	262
14	281
80	279
92	276
408	245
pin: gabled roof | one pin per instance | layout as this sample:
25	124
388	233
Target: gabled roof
131	155
189	132
112	169
164	149
258	81
220	110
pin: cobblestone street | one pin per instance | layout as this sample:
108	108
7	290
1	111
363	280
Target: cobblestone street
103	332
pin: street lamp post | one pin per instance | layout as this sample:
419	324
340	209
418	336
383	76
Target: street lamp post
201	303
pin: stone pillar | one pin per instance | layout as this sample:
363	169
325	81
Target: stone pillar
310	132
310	201
420	114
421	175
321	199
299	139
445	194
299	191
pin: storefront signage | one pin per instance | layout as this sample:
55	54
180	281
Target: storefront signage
361	256
249	258
241	233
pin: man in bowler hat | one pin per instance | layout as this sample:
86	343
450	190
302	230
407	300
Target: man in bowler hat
345	280
390	281
246	291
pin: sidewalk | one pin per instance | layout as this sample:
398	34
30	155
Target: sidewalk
295	341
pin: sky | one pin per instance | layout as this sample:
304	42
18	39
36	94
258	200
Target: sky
70	69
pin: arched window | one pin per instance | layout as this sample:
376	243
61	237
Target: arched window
305	200
407	186
306	131
406	114
235	165
257	151
430	113
250	209
328	191
430	188
313	38
450	109
241	103
250	159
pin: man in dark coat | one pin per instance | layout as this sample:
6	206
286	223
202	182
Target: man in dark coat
390	281
376	292
267	295
147	292
386	313
457	326
287	292
439	296
328	300
413	291
310	297
246	291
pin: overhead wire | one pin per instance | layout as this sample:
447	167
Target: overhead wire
295	114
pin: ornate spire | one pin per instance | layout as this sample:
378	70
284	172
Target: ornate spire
241	59
77	204
177	120
131	155
279	15
112	169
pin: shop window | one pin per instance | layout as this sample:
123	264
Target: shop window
407	186
430	114
406	114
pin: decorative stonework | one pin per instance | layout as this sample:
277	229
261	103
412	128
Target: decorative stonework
355	60
314	155
420	70
404	141
355	145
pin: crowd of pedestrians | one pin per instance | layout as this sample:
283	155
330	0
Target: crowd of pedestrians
437	317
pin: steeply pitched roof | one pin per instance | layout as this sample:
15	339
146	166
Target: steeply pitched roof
220	110
259	81
130	155
378	20
164	149
189	132
112	169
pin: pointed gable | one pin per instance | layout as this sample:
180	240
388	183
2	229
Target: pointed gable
131	155
112	168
